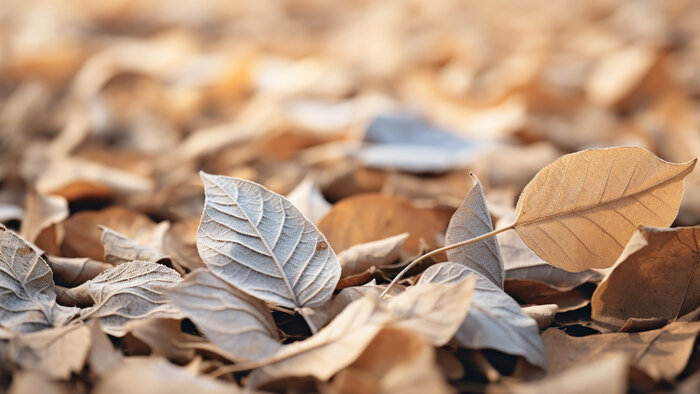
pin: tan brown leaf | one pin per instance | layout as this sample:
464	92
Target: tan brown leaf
41	212
156	375
534	292
397	360
37	382
164	338
605	376
361	257
371	217
597	197
472	219
55	352
73	271
542	314
663	262
662	353
83	235
180	242
103	356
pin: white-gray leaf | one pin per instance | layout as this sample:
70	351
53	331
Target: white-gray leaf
260	243
234	321
133	290
27	298
495	320
471	220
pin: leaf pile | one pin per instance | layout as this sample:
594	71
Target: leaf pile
303	196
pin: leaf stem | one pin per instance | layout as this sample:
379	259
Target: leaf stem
443	249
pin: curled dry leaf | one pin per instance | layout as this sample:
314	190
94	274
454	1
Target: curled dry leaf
597	197
542	314
73	271
180	242
103	356
121	249
434	310
83	235
308	199
397	360
494	321
259	242
328	351
470	220
361	257
163	337
661	354
55	352
349	294
239	324
663	262
26	288
129	291
156	375
371	217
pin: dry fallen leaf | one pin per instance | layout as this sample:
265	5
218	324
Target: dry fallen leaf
607	375
396	360
308	199
41	212
73	271
494	321
163	337
597	197
470	220
371	217
663	262
239	324
156	375
661	354
361	257
26	288
121	249
542	314
260	243
129	291
55	352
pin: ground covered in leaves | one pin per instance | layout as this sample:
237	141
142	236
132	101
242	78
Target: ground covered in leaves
399	196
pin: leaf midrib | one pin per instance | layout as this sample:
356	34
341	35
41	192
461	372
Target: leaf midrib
516	223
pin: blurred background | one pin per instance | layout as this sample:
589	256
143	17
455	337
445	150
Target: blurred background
123	101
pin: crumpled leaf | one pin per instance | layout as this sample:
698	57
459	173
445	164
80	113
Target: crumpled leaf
470	220
597	197
331	349
26	288
494	321
234	321
435	310
130	291
163	337
121	249
308	199
361	257
397	360
661	354
55	352
542	314
260	243
73	271
432	310
156	375
663	262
